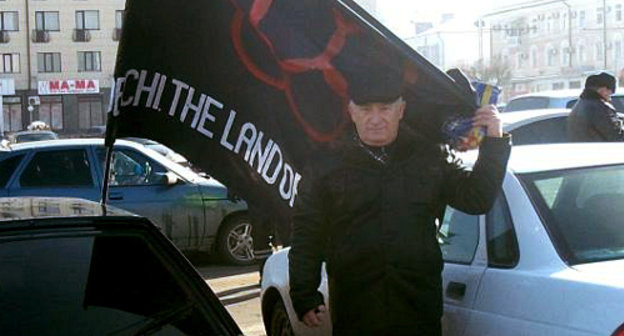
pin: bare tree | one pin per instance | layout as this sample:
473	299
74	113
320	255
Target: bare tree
496	72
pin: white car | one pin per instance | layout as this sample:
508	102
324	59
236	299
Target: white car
548	259
555	99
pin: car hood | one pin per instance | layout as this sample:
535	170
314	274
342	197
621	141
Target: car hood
609	273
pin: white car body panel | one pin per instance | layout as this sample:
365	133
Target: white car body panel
541	294
275	276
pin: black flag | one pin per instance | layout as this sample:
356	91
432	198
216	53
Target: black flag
252	91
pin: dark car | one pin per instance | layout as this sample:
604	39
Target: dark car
73	267
196	213
27	136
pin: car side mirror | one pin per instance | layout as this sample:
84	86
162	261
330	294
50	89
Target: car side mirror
167	178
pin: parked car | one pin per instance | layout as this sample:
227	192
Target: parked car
554	99
27	136
537	126
547	259
73	267
196	213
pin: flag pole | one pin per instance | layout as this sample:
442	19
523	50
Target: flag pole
109	141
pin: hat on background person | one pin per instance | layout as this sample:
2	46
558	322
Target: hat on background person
599	80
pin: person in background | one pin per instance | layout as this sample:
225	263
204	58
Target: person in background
593	118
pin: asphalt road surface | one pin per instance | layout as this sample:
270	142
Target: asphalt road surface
239	291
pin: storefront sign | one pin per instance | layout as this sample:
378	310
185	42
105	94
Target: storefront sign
7	86
69	86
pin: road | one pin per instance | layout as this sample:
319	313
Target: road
239	291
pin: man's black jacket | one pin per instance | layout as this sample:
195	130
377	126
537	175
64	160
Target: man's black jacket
374	225
593	119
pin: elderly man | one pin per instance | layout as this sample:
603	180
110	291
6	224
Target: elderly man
593	118
372	217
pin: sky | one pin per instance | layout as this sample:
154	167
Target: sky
397	14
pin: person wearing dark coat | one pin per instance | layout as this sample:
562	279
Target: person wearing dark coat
593	118
371	218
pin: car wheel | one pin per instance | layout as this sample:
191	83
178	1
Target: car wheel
235	244
280	323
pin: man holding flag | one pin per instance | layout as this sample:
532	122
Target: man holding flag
371	217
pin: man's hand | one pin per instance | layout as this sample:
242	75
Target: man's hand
315	317
488	116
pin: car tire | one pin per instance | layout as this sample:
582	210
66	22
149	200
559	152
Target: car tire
280	323
234	242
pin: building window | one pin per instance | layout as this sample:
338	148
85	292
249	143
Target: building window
598	47
90	112
533	57
599	12
89	61
558	86
582	57
88	20
582	18
47	21
618	12
8	21
10	63
575	85
49	62
51	111
520	60
119	19
565	54
551	56
12	111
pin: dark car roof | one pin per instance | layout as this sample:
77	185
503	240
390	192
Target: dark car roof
29	208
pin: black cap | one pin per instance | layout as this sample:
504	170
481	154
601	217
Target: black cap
599	80
376	84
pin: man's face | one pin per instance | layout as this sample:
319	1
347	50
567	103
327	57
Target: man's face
377	124
605	93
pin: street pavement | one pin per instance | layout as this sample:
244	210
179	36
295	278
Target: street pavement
239	291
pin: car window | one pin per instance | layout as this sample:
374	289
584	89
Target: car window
571	103
553	130
582	209
104	285
61	168
618	103
502	245
7	168
527	103
458	236
34	137
132	168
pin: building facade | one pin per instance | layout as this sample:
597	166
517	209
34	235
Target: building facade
452	42
56	62
551	45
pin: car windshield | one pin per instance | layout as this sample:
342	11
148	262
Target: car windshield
582	210
34	137
105	285
528	103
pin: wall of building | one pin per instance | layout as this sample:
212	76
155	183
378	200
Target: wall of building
556	44
76	99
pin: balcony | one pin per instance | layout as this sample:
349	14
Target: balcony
116	34
4	37
81	35
40	36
